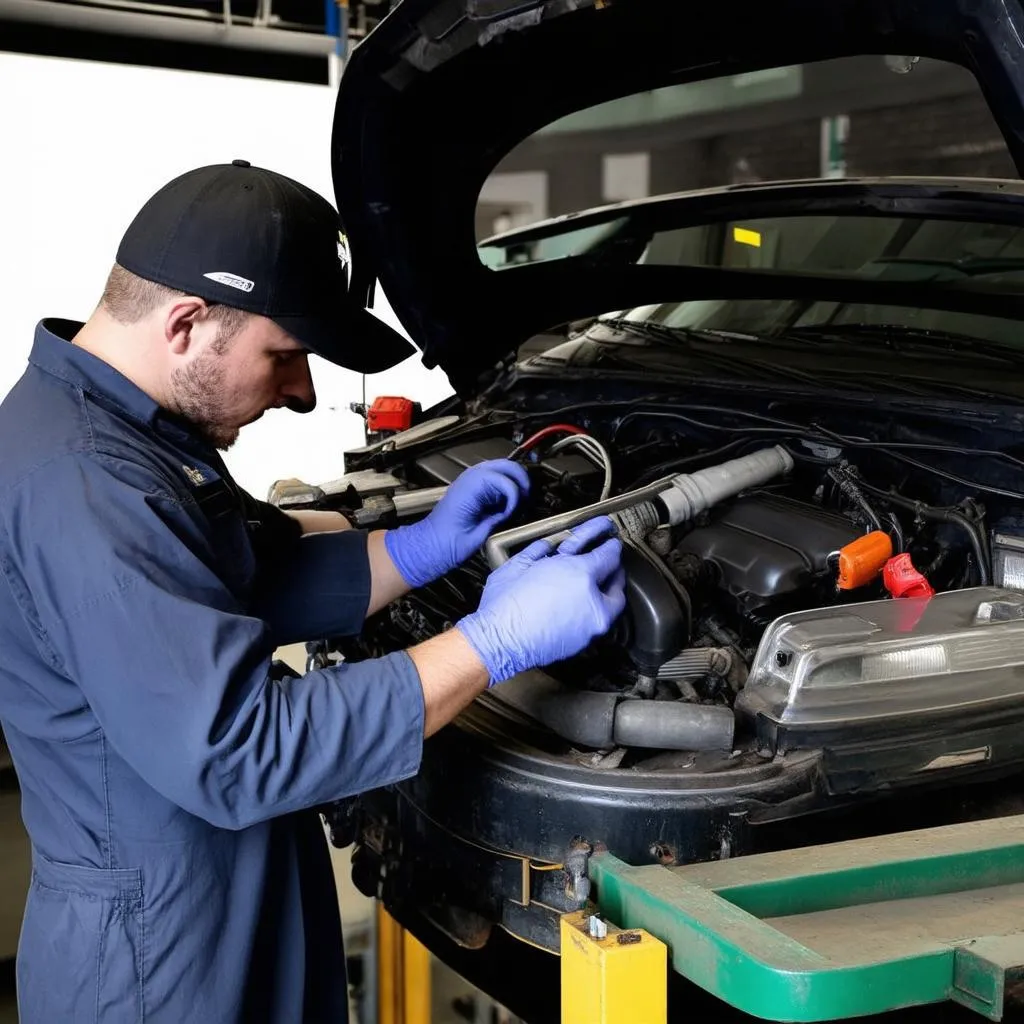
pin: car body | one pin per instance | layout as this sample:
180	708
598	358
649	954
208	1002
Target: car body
793	382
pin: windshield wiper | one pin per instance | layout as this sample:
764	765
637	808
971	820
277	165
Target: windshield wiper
680	339
967	265
673	335
861	379
901	338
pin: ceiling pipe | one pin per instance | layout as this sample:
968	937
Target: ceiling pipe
159	26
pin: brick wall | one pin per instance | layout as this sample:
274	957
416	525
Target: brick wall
955	136
951	136
766	154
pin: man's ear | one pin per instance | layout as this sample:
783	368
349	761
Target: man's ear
181	318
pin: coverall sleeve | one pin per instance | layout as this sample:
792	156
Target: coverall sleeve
312	586
117	574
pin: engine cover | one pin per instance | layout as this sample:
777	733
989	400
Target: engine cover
763	547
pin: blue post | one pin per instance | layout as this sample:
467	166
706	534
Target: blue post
336	24
331	17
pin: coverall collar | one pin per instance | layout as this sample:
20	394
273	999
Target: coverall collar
53	353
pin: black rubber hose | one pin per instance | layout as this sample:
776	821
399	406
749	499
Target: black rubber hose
602	720
977	542
664	725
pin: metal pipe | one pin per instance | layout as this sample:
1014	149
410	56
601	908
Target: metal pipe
411	503
173	29
147	8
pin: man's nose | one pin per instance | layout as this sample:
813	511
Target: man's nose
300	395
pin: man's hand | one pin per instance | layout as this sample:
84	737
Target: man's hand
544	605
541	606
479	499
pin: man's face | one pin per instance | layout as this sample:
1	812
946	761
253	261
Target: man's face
227	382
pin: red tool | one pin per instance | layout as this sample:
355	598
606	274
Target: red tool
901	579
389	413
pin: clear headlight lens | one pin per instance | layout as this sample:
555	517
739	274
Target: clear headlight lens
1008	561
892	657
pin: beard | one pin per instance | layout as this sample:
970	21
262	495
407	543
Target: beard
198	394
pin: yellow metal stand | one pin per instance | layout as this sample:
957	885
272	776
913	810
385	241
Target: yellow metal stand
403	974
620	977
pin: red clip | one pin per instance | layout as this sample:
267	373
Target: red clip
390	413
901	579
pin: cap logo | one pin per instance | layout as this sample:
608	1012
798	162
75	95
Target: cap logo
243	284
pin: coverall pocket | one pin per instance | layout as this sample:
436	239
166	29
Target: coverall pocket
80	958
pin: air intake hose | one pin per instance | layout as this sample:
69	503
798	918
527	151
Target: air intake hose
666	502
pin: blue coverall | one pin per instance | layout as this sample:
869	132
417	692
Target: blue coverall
179	873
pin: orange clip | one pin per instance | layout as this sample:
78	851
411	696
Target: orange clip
862	560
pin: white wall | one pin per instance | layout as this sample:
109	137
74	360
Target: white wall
85	144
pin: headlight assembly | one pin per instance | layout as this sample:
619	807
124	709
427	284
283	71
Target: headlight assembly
891	658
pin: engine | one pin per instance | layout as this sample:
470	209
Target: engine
719	544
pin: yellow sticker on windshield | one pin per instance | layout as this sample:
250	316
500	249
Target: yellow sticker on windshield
746	237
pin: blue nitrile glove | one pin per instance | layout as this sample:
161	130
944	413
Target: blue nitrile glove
477	500
546	604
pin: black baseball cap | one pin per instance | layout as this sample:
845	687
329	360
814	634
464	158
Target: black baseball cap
256	240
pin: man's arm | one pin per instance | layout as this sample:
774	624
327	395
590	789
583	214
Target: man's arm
319	520
297	589
177	672
451	674
386	583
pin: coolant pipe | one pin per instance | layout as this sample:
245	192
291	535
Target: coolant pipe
668	501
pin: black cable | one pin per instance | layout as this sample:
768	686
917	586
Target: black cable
797	430
864	442
953	478
849	443
897	531
856	496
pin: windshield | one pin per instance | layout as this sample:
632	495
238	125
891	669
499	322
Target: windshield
772	318
877	247
817	345
918	250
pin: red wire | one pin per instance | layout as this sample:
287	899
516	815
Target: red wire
534	439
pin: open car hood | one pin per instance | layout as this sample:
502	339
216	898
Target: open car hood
410	154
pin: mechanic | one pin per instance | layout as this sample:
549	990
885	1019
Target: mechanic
170	776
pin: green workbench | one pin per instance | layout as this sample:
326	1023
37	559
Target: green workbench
830	932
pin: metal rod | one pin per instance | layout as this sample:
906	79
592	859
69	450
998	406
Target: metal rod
142	7
227	13
263	17
411	503
500	545
174	29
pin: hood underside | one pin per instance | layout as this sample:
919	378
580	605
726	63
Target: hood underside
410	153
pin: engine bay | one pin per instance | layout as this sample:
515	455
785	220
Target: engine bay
726	545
